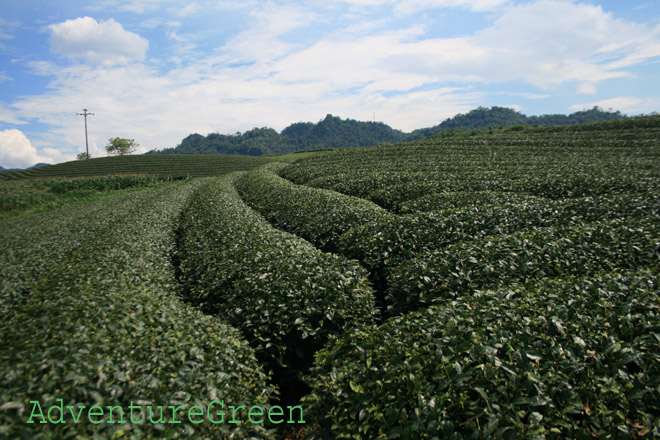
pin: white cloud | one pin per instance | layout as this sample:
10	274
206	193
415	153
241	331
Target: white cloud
143	7
348	66
261	42
189	9
412	6
16	151
416	109
546	43
587	89
134	6
9	116
104	42
549	42
6	29
515	107
525	95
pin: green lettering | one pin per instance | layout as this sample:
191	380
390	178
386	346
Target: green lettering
160	420
275	410
76	419
121	414
35	405
191	413
219	413
174	411
256	410
131	407
95	411
61	410
291	408
233	414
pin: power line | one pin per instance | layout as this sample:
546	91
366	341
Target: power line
85	113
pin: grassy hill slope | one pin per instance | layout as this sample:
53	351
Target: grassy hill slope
162	165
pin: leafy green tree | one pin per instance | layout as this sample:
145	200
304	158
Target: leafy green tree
83	156
120	146
334	132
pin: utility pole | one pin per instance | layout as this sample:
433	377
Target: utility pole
85	113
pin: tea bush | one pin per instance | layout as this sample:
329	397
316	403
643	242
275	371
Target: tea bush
563	359
163	165
285	295
551	163
550	252
318	215
437	201
387	242
105	183
95	320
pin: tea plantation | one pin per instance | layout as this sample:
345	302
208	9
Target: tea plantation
160	165
497	284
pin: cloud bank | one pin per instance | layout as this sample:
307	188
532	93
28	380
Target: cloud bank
16	151
104	42
297	61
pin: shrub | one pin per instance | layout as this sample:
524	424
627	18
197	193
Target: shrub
463	199
106	183
318	215
285	295
96	320
387	242
494	261
555	163
569	359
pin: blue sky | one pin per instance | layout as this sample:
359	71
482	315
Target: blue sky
158	70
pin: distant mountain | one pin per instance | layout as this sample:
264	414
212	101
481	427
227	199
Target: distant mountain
501	117
7	170
334	132
331	132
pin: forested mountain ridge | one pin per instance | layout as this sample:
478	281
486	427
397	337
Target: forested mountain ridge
500	117
334	132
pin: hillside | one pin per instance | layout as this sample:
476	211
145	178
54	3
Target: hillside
330	132
154	164
334	132
499	117
473	284
9	170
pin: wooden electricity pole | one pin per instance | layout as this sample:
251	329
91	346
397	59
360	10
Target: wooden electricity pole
85	113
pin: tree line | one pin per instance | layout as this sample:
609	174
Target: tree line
334	132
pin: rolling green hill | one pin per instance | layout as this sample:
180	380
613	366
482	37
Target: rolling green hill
502	117
160	165
331	132
334	132
491	284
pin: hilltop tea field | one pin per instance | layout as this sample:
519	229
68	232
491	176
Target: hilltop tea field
164	166
490	284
